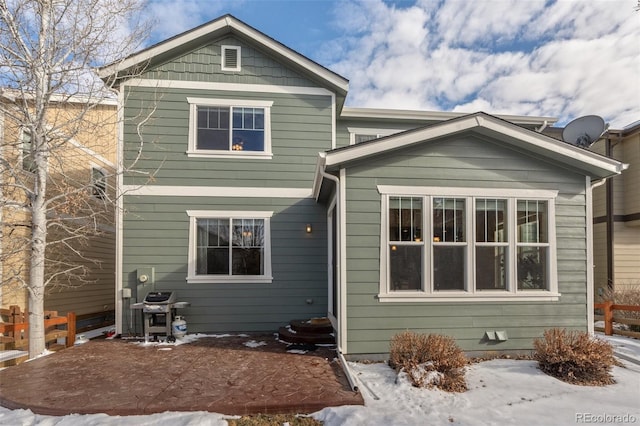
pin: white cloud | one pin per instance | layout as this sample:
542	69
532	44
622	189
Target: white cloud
563	59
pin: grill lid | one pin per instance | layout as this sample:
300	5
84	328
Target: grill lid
160	297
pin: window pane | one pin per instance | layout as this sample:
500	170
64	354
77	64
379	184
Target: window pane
490	220
405	219
490	268
212	246
213	128
248	261
449	220
532	268
217	261
237	118
248	247
405	267
248	129
532	221
248	140
449	267
259	119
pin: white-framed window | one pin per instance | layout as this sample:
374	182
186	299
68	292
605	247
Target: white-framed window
98	182
361	134
451	243
231	58
229	246
227	127
28	161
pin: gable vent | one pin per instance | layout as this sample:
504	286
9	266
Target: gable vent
231	58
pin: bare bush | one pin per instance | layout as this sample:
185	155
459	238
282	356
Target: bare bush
575	357
429	360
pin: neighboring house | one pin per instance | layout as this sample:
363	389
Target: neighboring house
87	160
271	201
616	214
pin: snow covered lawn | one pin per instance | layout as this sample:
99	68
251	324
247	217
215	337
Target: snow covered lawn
501	392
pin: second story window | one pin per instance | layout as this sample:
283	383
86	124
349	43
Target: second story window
229	127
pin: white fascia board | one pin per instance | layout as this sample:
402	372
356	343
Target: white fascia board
240	27
161	48
291	55
215	191
397	114
487	125
554	146
398	141
317	177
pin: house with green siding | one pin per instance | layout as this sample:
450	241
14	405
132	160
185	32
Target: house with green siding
250	190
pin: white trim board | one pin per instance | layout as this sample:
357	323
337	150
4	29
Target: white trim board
215	191
228	87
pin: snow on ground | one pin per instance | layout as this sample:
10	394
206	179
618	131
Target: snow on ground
501	392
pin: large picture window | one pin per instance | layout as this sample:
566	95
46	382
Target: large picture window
477	243
229	128
229	246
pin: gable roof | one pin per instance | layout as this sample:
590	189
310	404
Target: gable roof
227	24
591	164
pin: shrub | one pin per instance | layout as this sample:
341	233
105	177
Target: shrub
429	360
575	357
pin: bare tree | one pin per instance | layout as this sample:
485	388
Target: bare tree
52	98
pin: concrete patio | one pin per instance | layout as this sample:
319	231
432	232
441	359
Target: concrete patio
227	375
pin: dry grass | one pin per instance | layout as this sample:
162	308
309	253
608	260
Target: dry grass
625	296
429	360
274	420
575	357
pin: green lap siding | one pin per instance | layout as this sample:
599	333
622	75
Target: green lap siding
156	232
300	128
460	162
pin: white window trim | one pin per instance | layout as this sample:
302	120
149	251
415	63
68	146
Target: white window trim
428	294
193	278
192	150
223	66
353	131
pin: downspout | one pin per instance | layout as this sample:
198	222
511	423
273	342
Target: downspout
119	210
609	217
337	264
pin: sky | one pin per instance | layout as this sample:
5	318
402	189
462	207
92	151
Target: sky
501	392
562	59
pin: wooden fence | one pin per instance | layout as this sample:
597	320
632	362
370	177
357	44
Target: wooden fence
609	318
14	330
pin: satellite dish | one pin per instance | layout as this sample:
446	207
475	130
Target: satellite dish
584	131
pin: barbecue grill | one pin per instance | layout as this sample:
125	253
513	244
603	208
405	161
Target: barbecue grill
159	309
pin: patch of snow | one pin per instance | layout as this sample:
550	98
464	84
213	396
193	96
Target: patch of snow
254	344
44	353
297	351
